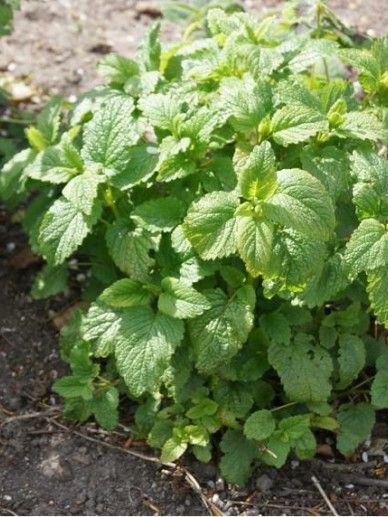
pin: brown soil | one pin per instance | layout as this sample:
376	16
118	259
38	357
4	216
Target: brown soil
46	470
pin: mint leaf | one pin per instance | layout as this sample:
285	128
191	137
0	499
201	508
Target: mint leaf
181	301
254	243
256	175
294	124
367	248
141	164
49	281
109	134
301	202
130	249
219	333
260	425
379	388
377	292
351	358
125	293
81	191
162	214
63	229
355	424
210	225
149	342
117	69
239	453
304	369
104	406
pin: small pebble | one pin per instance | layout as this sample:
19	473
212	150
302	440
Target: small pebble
216	499
7	497
264	483
294	464
220	485
211	485
10	247
81	278
350	486
364	457
385	458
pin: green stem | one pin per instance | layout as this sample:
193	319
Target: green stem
7	120
289	404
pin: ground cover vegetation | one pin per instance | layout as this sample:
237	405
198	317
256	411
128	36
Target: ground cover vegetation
227	196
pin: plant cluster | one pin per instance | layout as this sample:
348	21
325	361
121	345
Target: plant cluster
228	196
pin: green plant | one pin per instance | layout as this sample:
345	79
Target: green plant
229	198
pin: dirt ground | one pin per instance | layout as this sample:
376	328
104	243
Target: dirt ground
48	470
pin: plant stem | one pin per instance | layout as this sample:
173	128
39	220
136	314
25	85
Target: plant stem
289	404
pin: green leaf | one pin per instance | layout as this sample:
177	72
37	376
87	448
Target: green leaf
254	243
130	249
330	166
142	160
294	427
104	406
294	124
117	69
49	281
63	229
379	388
101	325
125	293
277	450
49	119
260	425
295	260
301	202
81	191
150	50
146	350
256	174
181	301
277	327
13	175
162	214
351	359
367	248
161	110
304	369
173	449
362	125
356	422
56	164
244	101
239	453
110	133
377	291
219	333
73	387
306	446
210	225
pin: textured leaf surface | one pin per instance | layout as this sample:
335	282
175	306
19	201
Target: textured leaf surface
260	425
181	301
355	424
144	354
239	453
210	225
254	243
63	230
219	333
302	203
304	369
294	124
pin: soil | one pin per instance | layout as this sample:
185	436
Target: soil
50	470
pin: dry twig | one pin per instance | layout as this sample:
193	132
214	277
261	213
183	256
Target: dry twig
324	495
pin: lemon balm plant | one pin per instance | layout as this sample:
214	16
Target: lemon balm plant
229	194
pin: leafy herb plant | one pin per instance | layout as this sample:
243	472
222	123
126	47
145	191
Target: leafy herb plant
229	195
